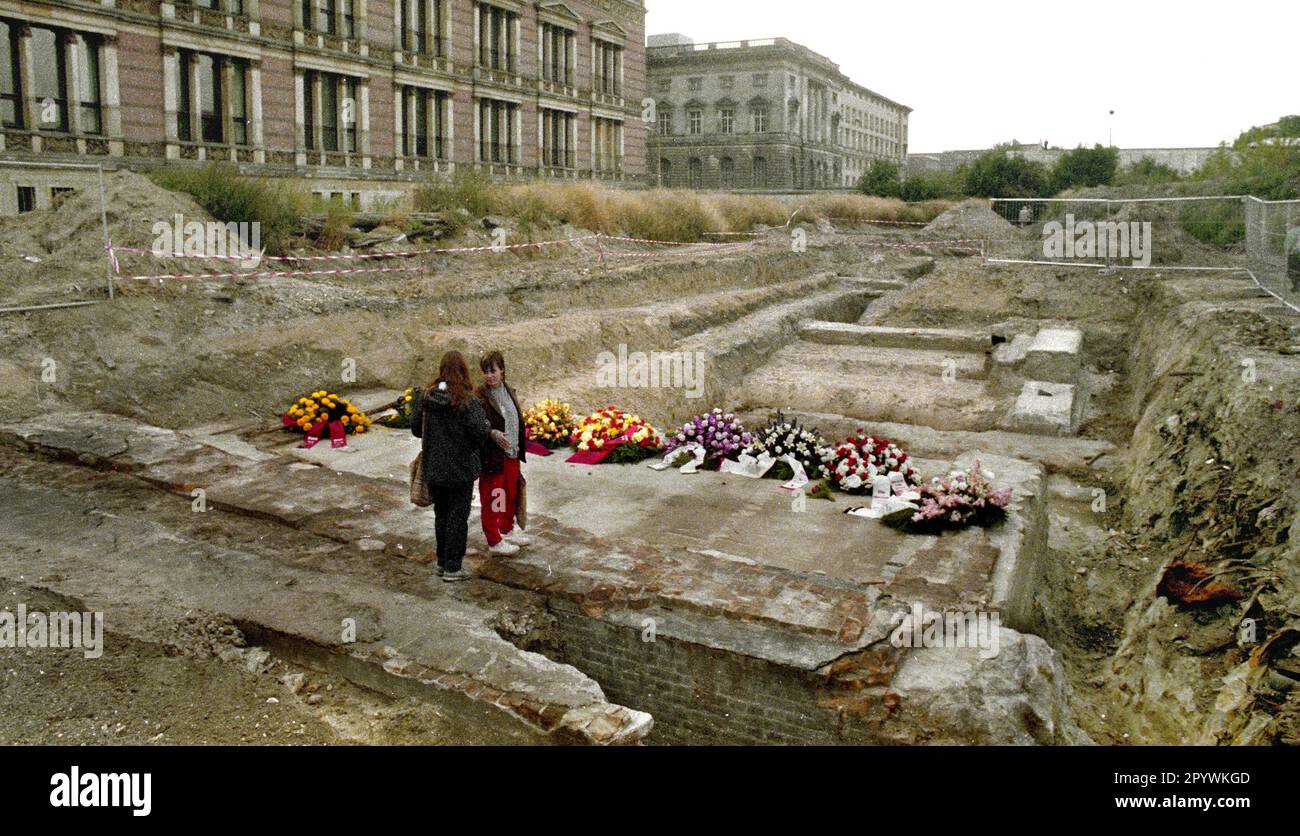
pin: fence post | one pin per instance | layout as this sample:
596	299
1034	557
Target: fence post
1110	219
103	219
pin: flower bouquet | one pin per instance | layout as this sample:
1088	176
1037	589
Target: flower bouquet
312	414
615	436
781	438
719	433
400	417
549	423
853	463
960	499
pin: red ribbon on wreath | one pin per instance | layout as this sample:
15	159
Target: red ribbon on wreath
598	456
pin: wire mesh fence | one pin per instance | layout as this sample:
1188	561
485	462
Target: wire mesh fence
1189	233
1272	234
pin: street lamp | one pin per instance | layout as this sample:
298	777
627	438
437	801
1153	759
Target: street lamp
1110	131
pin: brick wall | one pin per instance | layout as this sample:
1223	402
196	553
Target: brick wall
140	74
382	139
700	695
278	104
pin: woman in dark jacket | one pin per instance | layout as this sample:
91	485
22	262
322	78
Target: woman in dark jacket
450	422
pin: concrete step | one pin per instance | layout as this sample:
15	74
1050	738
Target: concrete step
688	315
1046	408
904	397
1079	457
882	285
873	362
935	339
733	349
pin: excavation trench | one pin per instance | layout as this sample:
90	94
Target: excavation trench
706	603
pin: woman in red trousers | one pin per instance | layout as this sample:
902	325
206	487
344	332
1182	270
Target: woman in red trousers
503	453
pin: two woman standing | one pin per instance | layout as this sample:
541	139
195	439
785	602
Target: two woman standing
467	435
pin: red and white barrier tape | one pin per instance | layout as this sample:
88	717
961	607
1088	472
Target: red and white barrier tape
357	256
882	223
925	245
275	273
598	237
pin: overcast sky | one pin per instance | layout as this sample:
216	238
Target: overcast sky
976	73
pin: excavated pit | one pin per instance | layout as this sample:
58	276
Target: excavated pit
705	605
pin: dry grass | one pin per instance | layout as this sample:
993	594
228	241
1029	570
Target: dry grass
660	214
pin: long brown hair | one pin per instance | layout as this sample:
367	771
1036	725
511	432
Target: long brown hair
454	371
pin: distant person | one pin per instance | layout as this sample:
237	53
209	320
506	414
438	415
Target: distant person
1026	216
450	422
498	486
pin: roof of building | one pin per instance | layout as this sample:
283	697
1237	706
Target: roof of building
657	51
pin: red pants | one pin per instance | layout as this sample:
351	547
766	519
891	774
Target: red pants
498	494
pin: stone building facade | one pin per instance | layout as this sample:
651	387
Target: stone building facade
767	114
357	91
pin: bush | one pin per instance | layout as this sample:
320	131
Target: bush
1217	223
468	189
931	185
1264	162
994	174
1147	172
1094	166
338	220
277	207
881	180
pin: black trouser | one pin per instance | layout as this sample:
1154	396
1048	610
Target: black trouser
451	521
1293	271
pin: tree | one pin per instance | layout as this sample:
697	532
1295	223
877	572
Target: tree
1094	166
1263	161
927	185
880	179
994	174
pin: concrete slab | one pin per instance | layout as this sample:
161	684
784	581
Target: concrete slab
748	522
1055	355
442	650
841	333
1046	408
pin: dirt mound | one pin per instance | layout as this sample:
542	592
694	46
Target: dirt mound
972	219
73	229
47	255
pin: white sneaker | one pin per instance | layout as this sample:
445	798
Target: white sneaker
504	547
518	537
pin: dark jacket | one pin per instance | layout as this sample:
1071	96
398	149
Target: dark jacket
452	436
493	456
